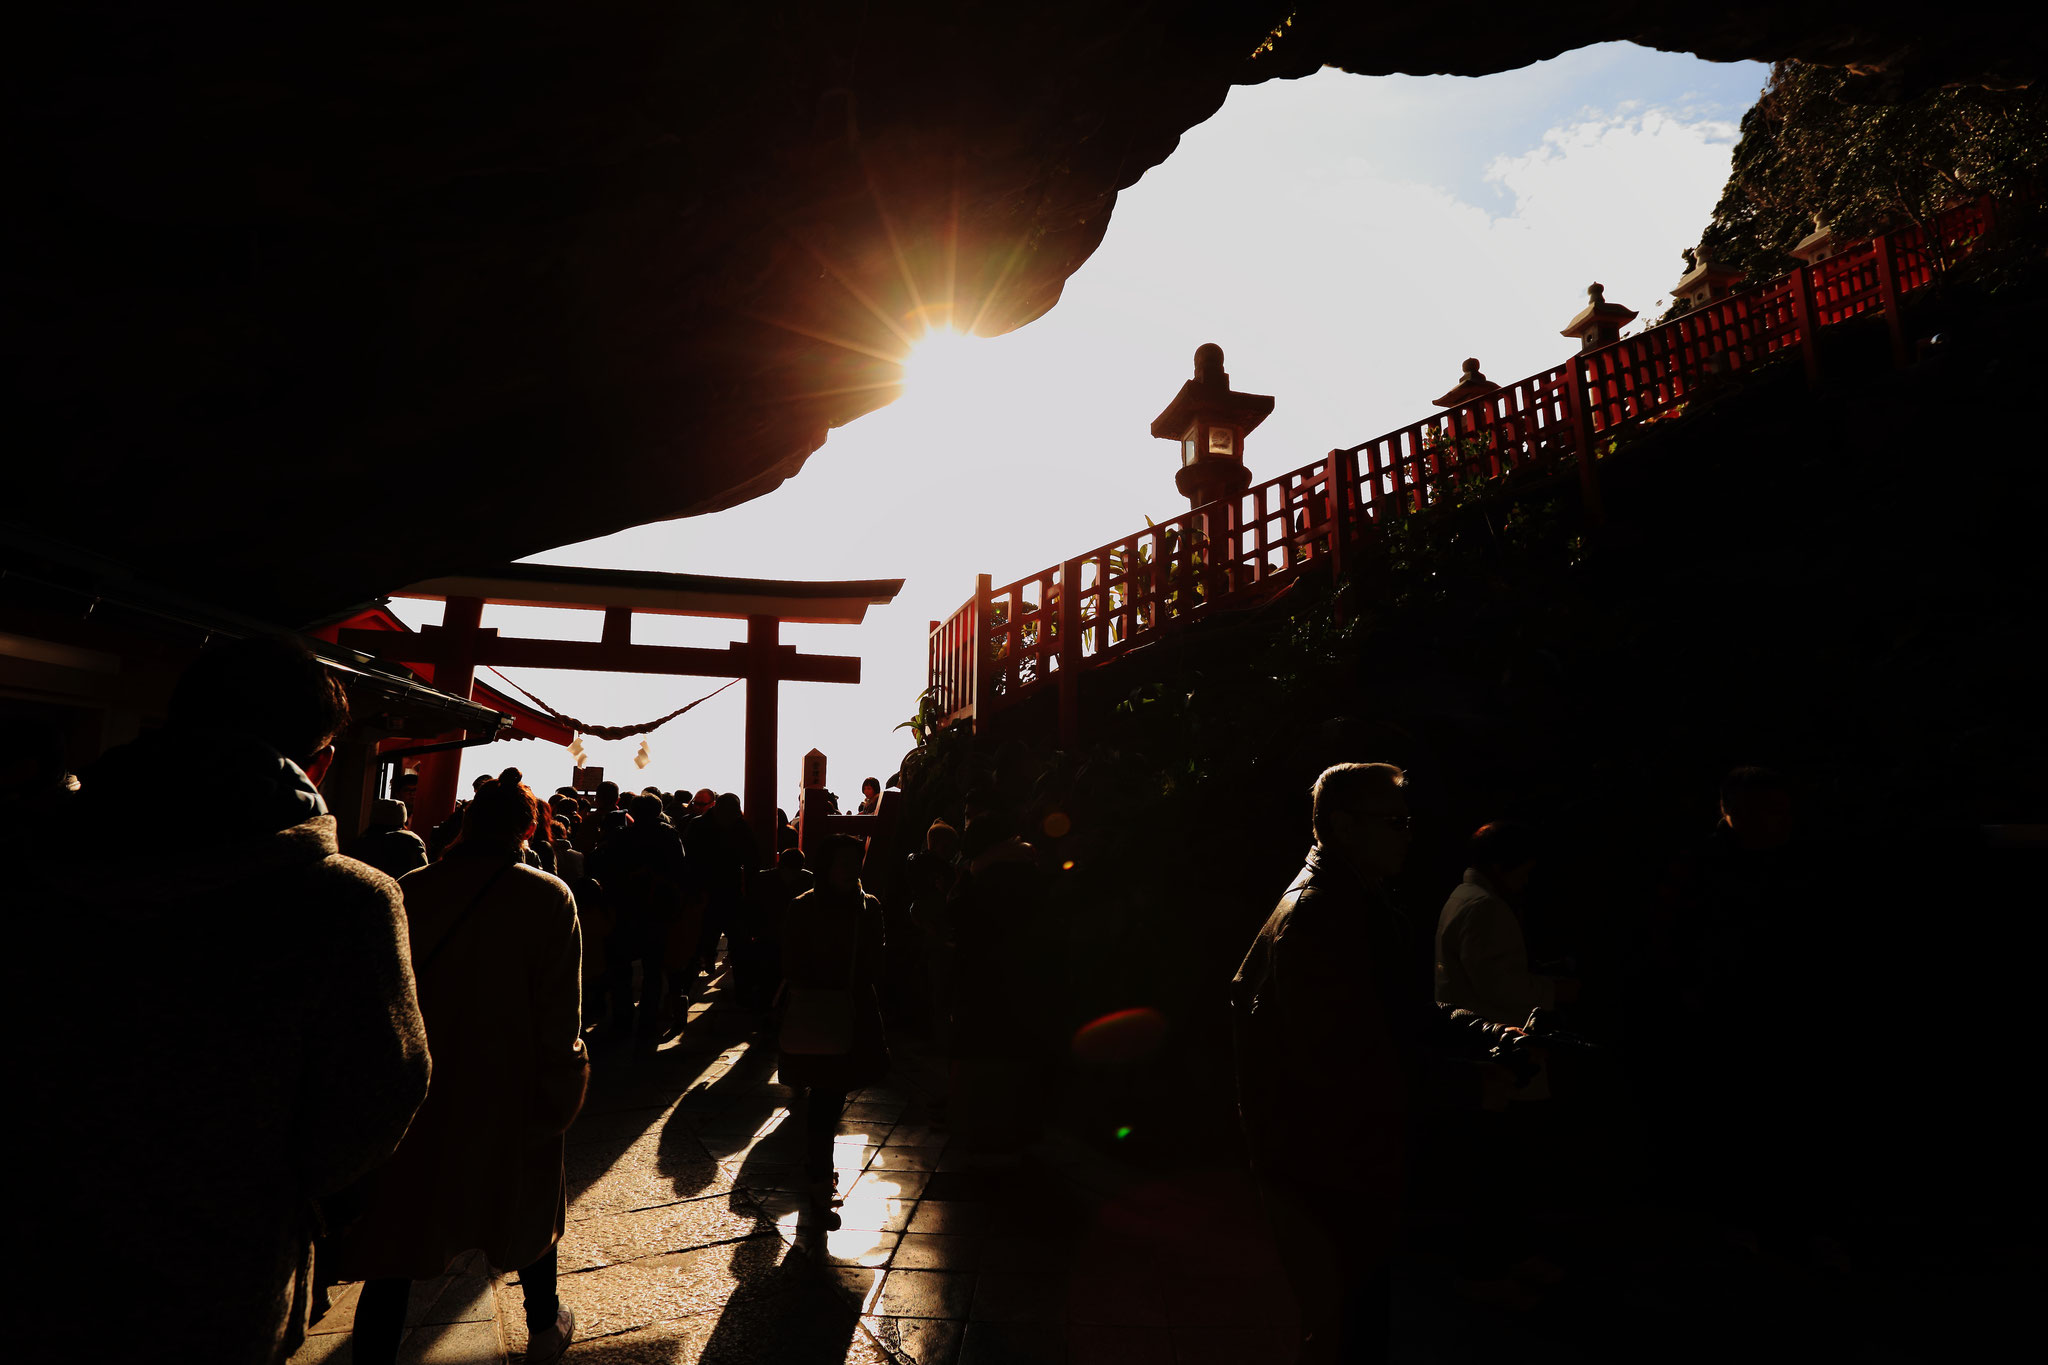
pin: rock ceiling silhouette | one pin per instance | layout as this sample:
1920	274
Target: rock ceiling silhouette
309	302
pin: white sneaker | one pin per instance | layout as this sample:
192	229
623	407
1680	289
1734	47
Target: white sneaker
548	1346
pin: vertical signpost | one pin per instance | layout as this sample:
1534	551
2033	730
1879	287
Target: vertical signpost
808	810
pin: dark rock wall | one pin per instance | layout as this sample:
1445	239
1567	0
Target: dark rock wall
307	302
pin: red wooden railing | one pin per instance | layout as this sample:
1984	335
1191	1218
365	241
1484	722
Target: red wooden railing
1007	643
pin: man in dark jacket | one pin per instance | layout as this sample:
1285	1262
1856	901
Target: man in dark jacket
1338	1042
755	950
722	852
386	844
647	883
255	1045
1761	928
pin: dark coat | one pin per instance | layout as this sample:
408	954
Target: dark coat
721	856
500	989
1338	1039
644	874
820	931
1002	958
390	849
756	940
227	1031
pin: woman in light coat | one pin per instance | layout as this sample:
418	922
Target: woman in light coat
497	952
832	956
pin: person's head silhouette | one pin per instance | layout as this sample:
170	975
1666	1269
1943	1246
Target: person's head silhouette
1361	817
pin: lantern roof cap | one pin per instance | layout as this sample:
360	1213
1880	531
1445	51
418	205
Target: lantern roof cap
1209	395
1708	271
1471	384
1598	312
1815	242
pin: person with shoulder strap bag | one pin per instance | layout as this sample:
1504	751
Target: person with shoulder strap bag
817	1021
831	1039
482	1166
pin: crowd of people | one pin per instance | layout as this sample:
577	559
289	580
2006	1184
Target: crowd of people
310	1064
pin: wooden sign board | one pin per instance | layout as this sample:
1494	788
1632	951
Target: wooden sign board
587	779
814	770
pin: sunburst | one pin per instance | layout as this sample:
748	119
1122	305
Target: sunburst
942	360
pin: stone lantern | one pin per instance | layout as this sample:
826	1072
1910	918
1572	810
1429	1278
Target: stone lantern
1599	323
1706	281
1471	384
1819	245
1210	420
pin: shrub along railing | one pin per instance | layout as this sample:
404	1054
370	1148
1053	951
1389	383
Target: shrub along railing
1007	643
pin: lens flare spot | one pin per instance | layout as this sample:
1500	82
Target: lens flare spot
1123	1133
1056	825
1121	1038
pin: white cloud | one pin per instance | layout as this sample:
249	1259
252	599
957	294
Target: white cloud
1613	198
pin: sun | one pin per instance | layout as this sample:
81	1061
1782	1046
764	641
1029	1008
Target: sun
942	362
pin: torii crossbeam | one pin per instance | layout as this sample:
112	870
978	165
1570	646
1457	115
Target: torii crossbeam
461	644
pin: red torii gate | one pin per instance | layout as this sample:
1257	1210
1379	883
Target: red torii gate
461	644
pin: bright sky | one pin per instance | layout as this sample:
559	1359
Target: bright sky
1347	240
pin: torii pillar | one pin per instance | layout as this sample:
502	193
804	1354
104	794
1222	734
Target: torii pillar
764	702
454	673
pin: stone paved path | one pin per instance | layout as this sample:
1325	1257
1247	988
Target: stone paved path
688	1240
450	1321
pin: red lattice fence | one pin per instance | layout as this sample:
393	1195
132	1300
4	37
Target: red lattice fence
1009	643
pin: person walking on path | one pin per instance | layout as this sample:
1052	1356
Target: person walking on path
756	951
1338	1043
386	844
998	1042
649	887
929	878
722	852
1773	949
499	957
831	1039
1482	965
1482	959
253	1044
568	858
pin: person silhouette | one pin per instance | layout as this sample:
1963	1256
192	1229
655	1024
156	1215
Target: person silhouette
1338	1042
283	1054
831	1040
499	957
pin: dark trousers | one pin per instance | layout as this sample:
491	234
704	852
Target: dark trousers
822	1109
719	917
646	943
1337	1269
1471	1172
380	1312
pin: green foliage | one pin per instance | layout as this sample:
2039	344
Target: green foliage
1471	528
941	751
930	714
1806	150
